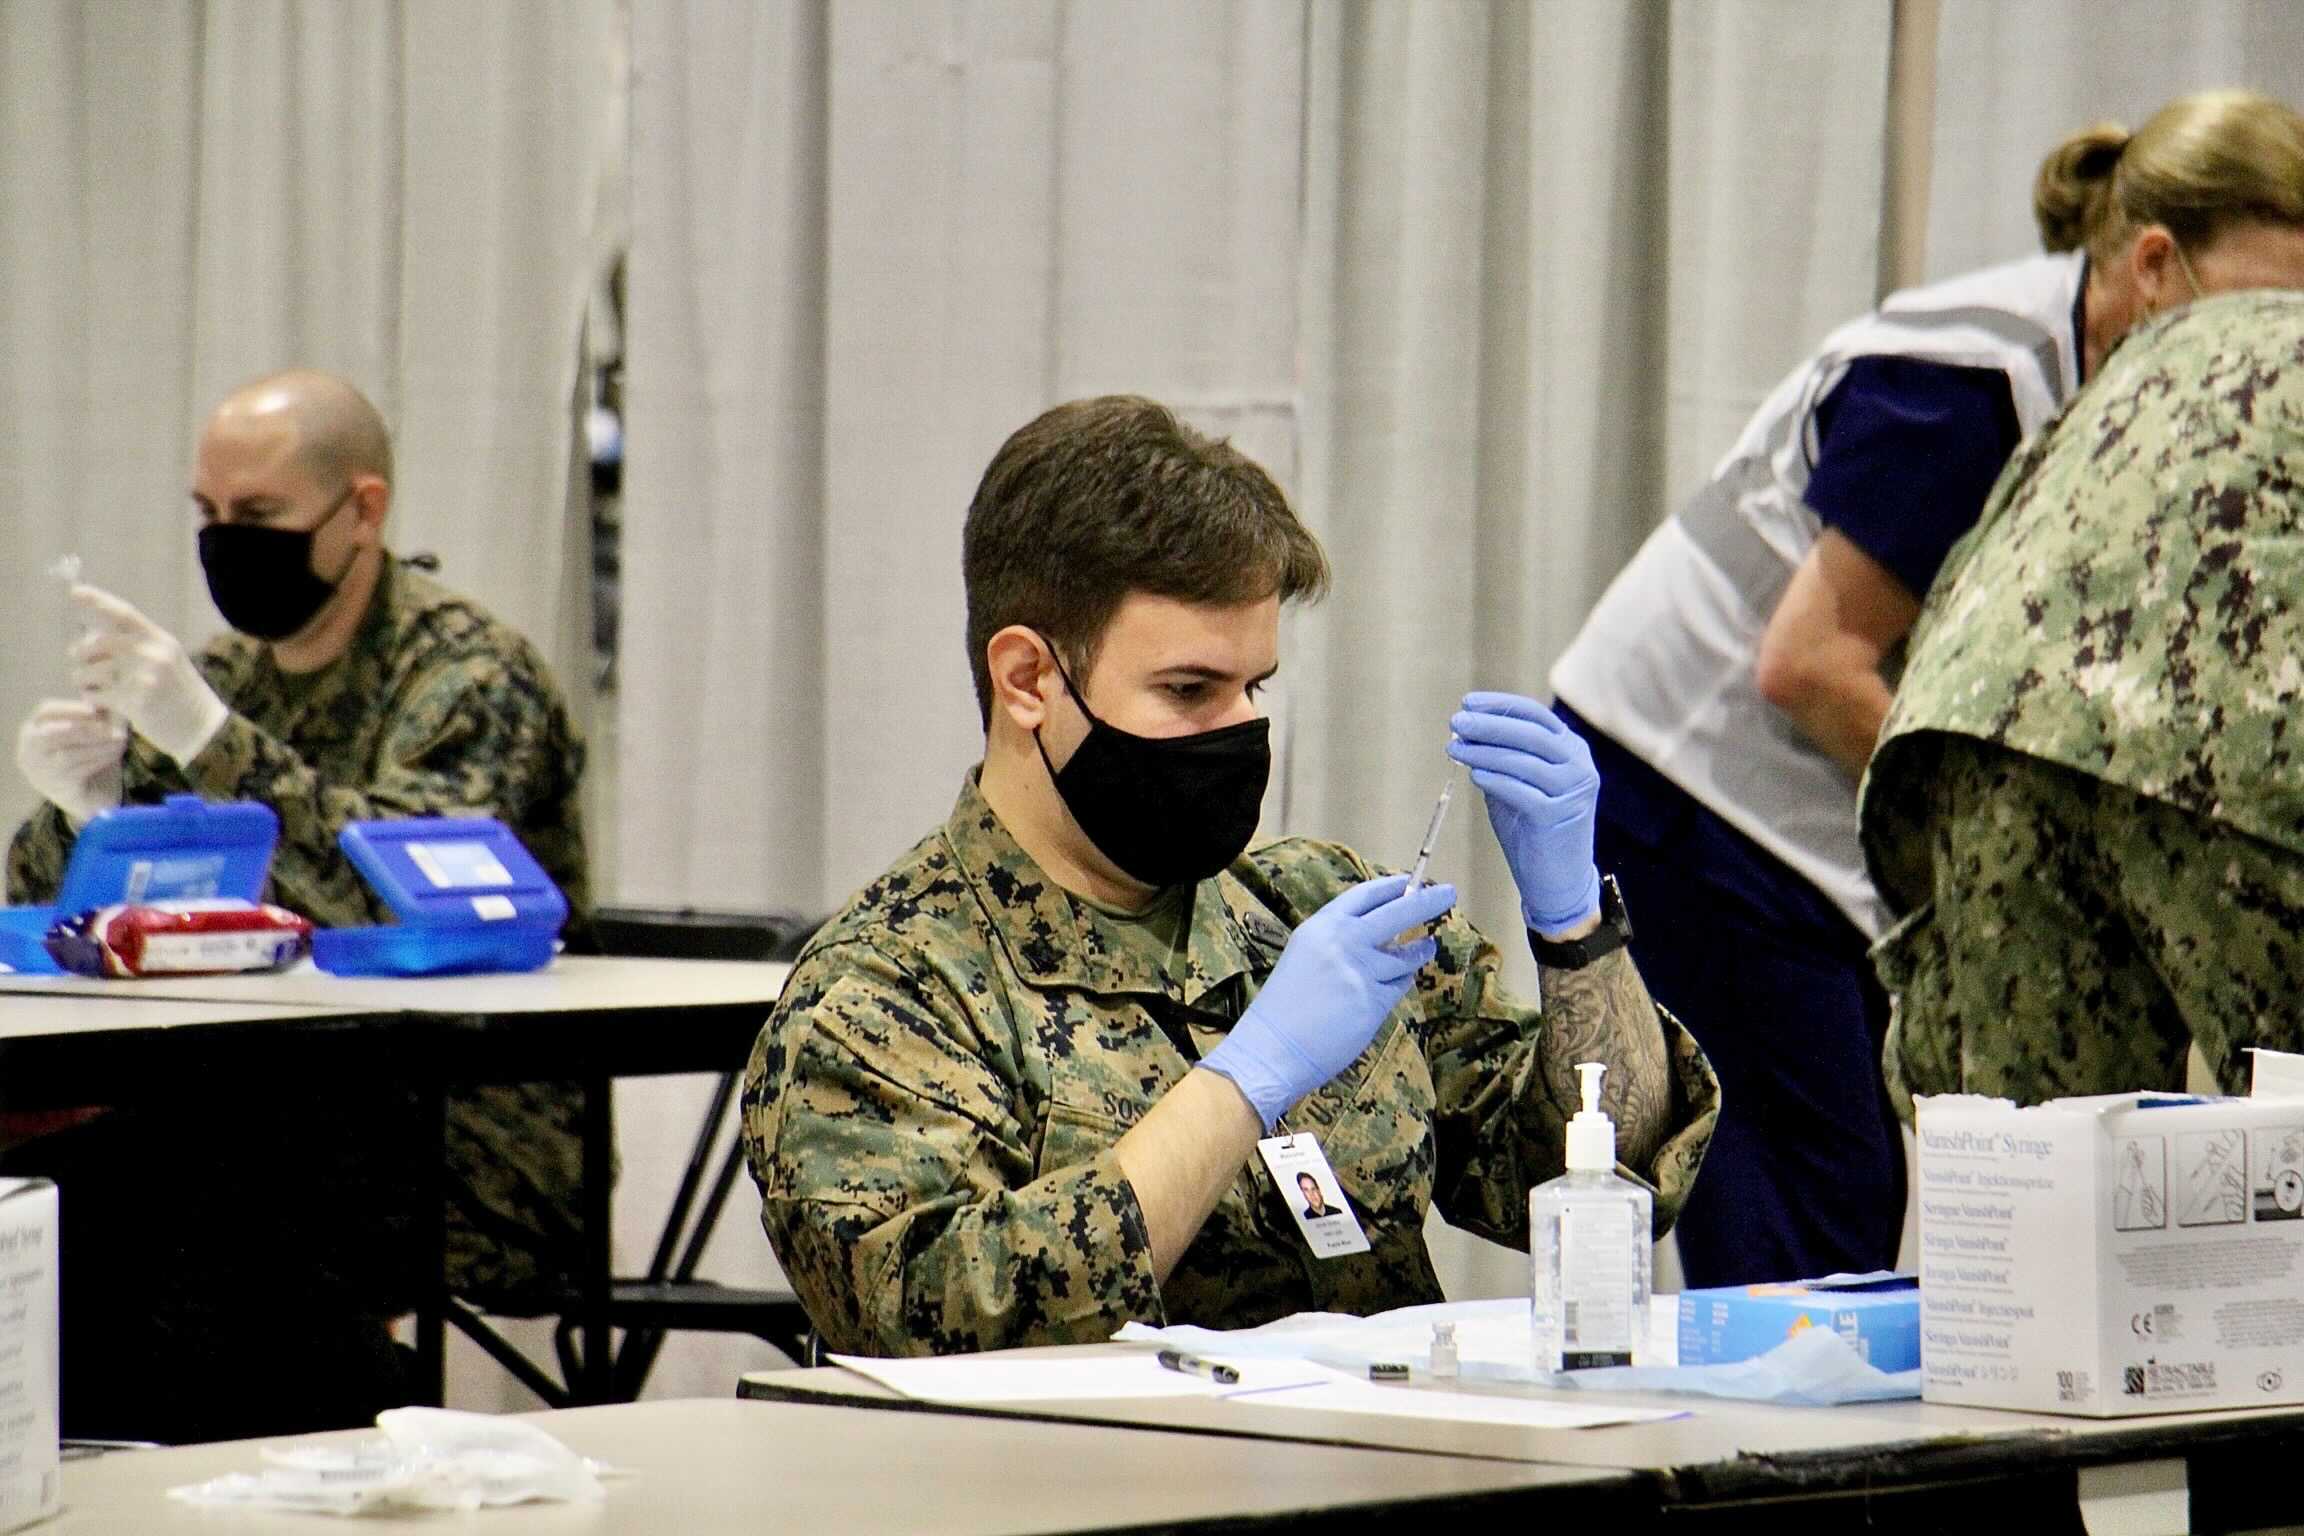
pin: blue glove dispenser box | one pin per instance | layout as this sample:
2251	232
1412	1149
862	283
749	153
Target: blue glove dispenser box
1879	1316
182	849
468	897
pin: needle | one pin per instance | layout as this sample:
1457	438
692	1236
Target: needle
1432	832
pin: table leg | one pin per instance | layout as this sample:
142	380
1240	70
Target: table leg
432	1232
599	1366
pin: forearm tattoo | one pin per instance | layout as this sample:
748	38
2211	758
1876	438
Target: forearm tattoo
1602	1012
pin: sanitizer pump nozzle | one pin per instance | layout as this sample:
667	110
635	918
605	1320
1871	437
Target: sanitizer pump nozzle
1591	1134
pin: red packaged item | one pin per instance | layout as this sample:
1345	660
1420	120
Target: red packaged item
180	938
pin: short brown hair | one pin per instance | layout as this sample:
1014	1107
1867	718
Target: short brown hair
1096	499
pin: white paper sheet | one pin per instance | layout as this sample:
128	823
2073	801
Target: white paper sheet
995	1379
1347	1396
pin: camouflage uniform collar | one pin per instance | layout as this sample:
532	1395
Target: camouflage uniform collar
374	637
1057	940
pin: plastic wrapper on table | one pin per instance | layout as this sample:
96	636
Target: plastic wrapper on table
179	938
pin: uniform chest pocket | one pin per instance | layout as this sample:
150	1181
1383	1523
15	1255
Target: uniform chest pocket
1104	1073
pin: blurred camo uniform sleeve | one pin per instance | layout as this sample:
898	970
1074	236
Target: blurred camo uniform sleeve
931	1110
36	856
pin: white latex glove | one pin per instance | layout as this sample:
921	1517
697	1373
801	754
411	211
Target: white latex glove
143	674
70	751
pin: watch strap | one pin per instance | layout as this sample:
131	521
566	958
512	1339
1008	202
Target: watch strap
1614	932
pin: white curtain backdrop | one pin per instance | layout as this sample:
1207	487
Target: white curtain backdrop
2013	80
1034	201
1555	255
191	194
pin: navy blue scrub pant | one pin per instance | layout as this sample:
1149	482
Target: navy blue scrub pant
1805	1175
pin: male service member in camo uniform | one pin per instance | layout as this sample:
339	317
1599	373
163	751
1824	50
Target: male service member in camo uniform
353	688
1014	1092
2088	803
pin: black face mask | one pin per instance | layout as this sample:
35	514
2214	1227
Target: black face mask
262	578
1166	810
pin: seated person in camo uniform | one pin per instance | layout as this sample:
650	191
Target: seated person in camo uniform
1013	1094
351	688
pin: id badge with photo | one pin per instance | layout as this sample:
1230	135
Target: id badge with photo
1315	1199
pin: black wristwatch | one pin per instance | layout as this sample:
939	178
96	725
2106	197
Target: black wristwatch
1614	932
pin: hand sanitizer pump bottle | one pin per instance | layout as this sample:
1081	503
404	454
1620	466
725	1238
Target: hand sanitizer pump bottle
1589	1250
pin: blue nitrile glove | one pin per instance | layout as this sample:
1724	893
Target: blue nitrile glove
1542	793
1337	981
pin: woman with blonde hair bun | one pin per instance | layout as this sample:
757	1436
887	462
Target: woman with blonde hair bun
2215	179
1733	679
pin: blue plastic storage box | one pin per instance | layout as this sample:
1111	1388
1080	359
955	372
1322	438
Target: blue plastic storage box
467	896
182	849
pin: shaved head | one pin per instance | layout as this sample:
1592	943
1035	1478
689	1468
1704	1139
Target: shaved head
337	434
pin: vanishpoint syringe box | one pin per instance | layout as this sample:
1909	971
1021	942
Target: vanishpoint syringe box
2115	1255
29	1485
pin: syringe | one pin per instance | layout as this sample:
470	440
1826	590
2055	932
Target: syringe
1432	831
65	571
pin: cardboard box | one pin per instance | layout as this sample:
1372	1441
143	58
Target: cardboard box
2109	1256
1737	1322
28	1362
